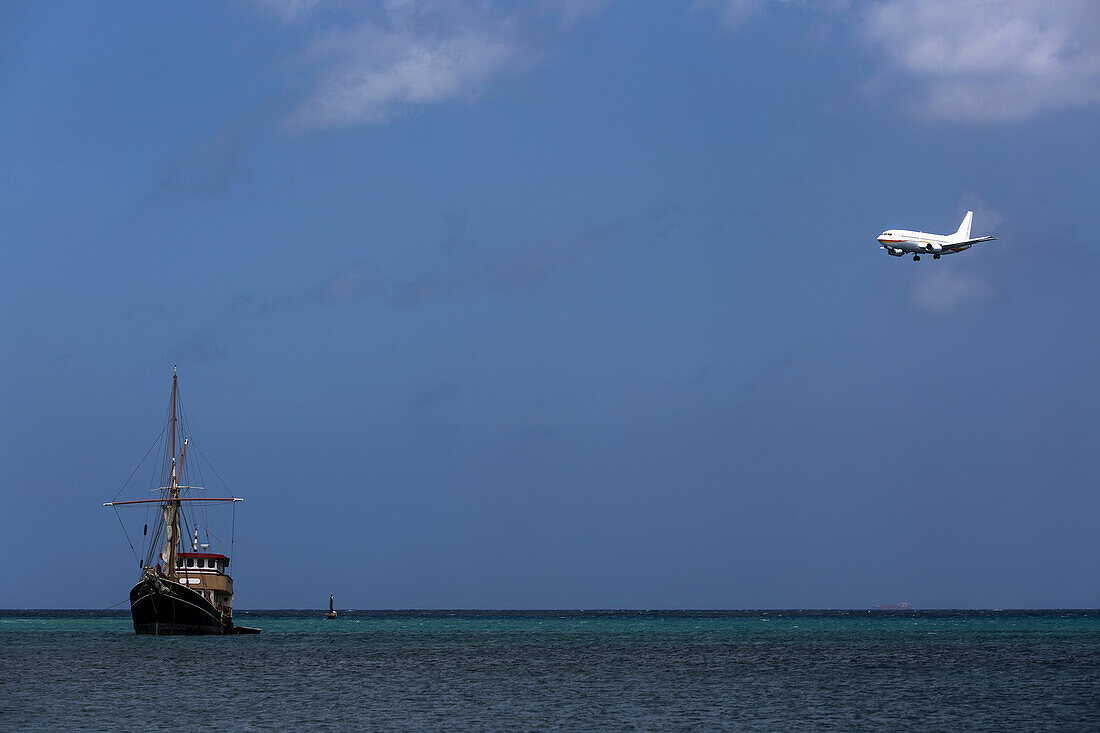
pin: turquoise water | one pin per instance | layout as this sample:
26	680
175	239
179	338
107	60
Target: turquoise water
572	670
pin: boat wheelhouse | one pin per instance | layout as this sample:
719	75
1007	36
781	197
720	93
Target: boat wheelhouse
205	573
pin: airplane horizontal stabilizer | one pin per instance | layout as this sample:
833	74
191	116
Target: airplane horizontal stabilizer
972	241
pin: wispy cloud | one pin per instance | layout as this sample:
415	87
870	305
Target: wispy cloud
378	69
987	217
287	10
949	289
735	13
993	60
530	266
571	12
407	54
373	62
201	345
350	283
435	394
524	268
210	165
463	268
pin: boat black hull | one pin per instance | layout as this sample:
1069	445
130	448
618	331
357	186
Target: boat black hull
162	607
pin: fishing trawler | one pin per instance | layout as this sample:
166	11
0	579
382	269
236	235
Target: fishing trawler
179	592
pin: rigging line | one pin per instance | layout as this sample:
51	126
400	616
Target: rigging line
165	461
131	544
151	546
145	532
221	542
211	465
150	542
154	550
204	458
183	521
205	509
185	421
108	608
142	461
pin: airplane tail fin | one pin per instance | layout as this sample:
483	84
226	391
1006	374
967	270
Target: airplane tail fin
963	233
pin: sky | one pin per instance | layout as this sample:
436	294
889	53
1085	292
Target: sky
561	303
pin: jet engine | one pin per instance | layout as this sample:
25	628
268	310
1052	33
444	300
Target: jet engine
933	247
893	252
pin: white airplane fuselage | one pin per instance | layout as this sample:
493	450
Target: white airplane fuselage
898	242
904	240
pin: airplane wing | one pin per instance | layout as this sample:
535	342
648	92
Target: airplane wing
971	241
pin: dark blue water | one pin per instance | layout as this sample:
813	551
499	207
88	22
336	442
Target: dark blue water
572	670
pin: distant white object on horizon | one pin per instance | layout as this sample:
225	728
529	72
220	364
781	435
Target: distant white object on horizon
897	242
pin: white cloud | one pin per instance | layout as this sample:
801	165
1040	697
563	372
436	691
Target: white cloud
958	60
408	54
976	61
379	60
989	60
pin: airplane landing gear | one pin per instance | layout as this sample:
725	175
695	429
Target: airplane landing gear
935	257
916	258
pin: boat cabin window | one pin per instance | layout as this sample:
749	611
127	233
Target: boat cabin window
213	563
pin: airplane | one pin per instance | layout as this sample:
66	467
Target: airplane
897	242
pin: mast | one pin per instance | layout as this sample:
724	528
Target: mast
171	507
172	421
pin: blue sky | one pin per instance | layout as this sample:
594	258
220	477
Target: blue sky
562	304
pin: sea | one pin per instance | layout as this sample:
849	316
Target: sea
558	670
